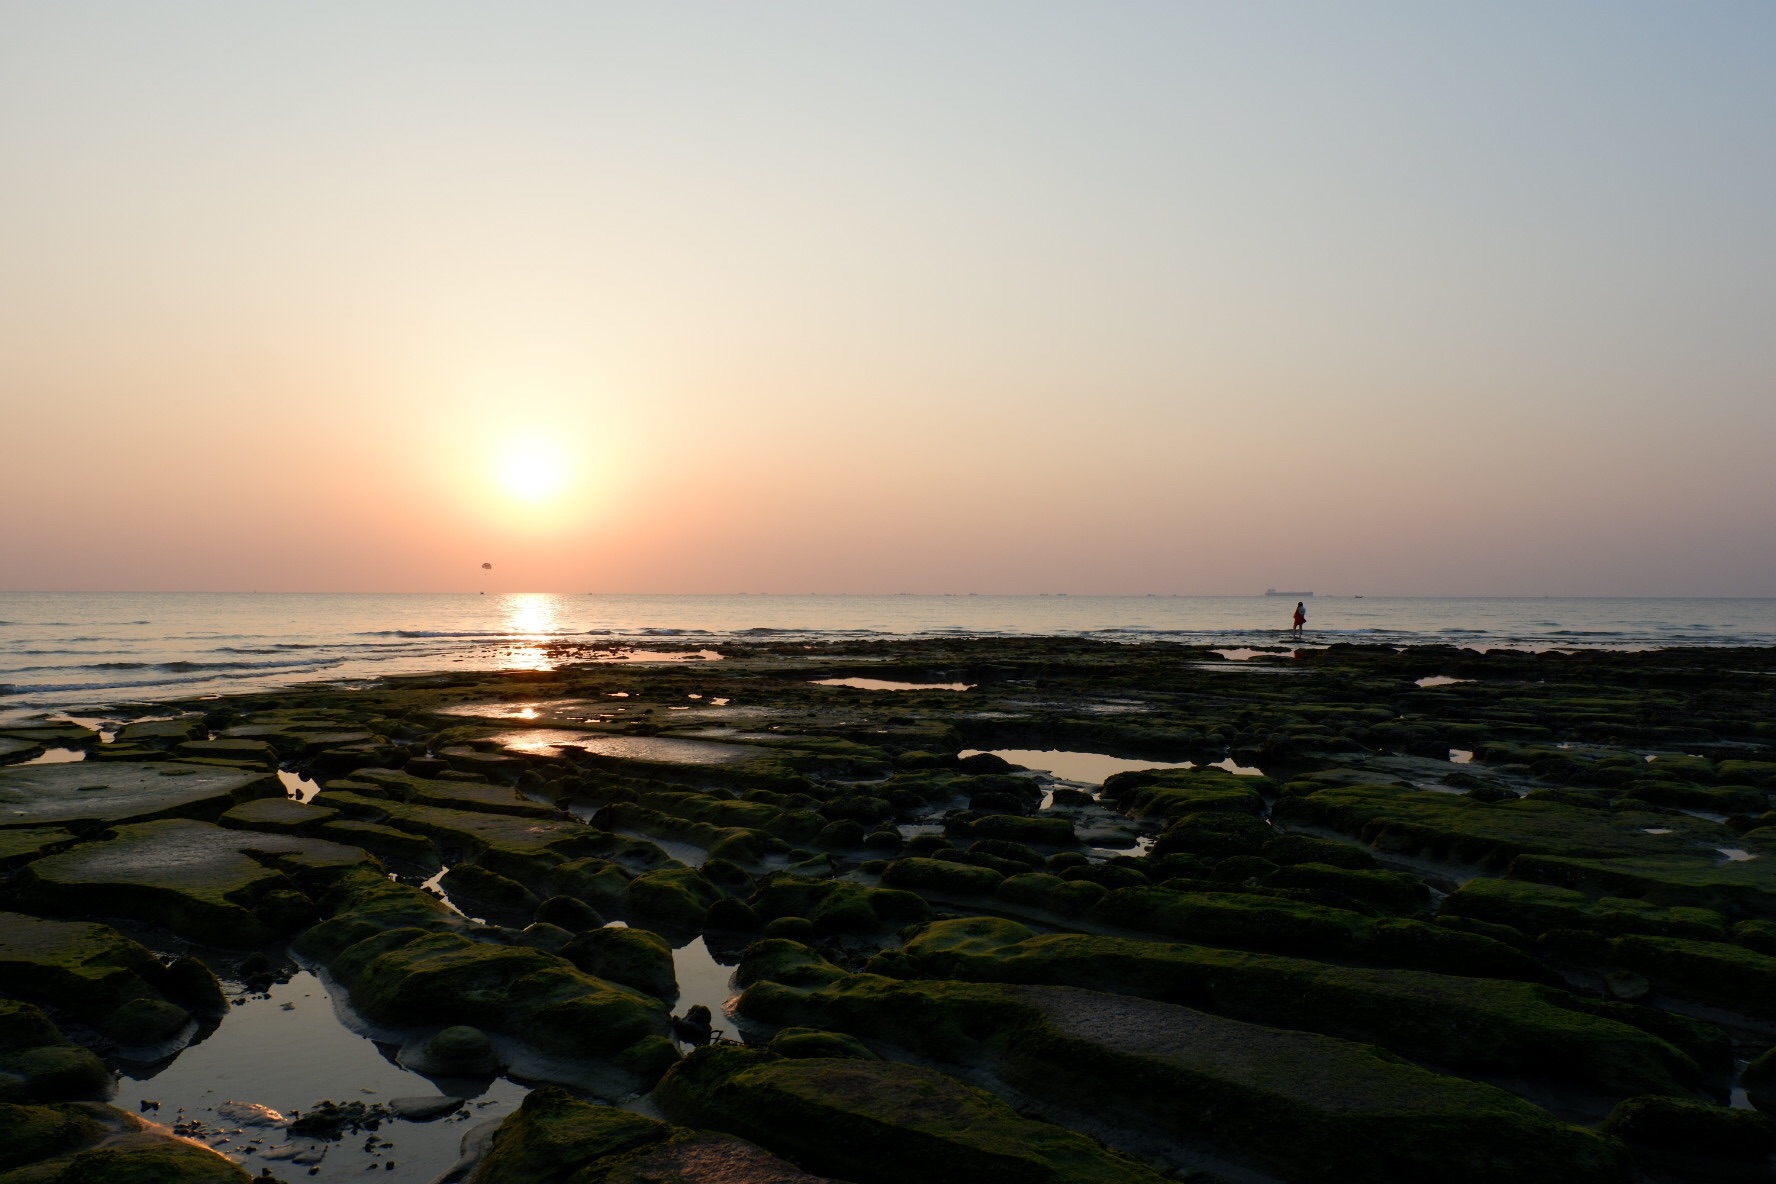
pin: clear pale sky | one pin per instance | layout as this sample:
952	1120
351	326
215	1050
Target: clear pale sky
1113	297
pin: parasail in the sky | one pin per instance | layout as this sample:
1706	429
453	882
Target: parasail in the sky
487	567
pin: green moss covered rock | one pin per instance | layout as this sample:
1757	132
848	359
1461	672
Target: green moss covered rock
633	957
881	1122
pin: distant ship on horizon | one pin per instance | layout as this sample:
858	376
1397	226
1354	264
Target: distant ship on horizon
1297	595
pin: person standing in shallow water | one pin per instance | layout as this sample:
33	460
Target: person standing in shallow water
1300	617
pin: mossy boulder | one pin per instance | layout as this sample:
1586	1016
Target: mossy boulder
457	1051
1389	892
38	1065
676	898
145	1021
481	891
1172	793
1066	898
1759	1080
838	906
806	1043
941	877
415	977
364	903
881	1122
53	1073
569	913
555	1138
1014	828
781	960
632	957
89	970
1214	834
1291	849
32	1133
88	1143
1691	1137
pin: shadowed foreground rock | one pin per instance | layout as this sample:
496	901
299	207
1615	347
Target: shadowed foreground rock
882	1122
555	1138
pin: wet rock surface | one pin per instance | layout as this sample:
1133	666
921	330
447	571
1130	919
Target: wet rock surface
1170	914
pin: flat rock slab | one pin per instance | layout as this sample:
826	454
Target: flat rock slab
164	731
12	749
83	792
206	883
298	741
1349	1107
881	1121
55	734
252	752
474	831
20	845
710	1158
277	815
462	795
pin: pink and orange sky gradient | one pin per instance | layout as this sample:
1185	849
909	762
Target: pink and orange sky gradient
992	296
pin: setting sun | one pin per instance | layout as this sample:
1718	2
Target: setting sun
533	470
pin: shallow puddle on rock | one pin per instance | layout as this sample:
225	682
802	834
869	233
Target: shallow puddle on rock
435	886
290	1051
298	786
884	684
1736	855
1087	768
56	756
1243	654
532	710
703	980
665	749
1143	844
1461	756
1439	680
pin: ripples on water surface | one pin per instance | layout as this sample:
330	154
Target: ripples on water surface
60	649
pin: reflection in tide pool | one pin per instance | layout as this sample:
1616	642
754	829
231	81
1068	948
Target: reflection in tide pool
671	750
885	684
1089	768
297	786
1093	768
703	980
290	1051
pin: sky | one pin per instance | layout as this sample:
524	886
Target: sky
1395	298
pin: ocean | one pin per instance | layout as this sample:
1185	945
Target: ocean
65	651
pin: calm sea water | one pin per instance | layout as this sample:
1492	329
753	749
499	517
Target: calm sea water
66	650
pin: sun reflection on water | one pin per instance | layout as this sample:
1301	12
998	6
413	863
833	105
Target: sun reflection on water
532	618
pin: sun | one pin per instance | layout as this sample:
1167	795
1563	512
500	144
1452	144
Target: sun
532	469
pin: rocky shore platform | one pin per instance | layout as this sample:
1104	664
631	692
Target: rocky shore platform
995	911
